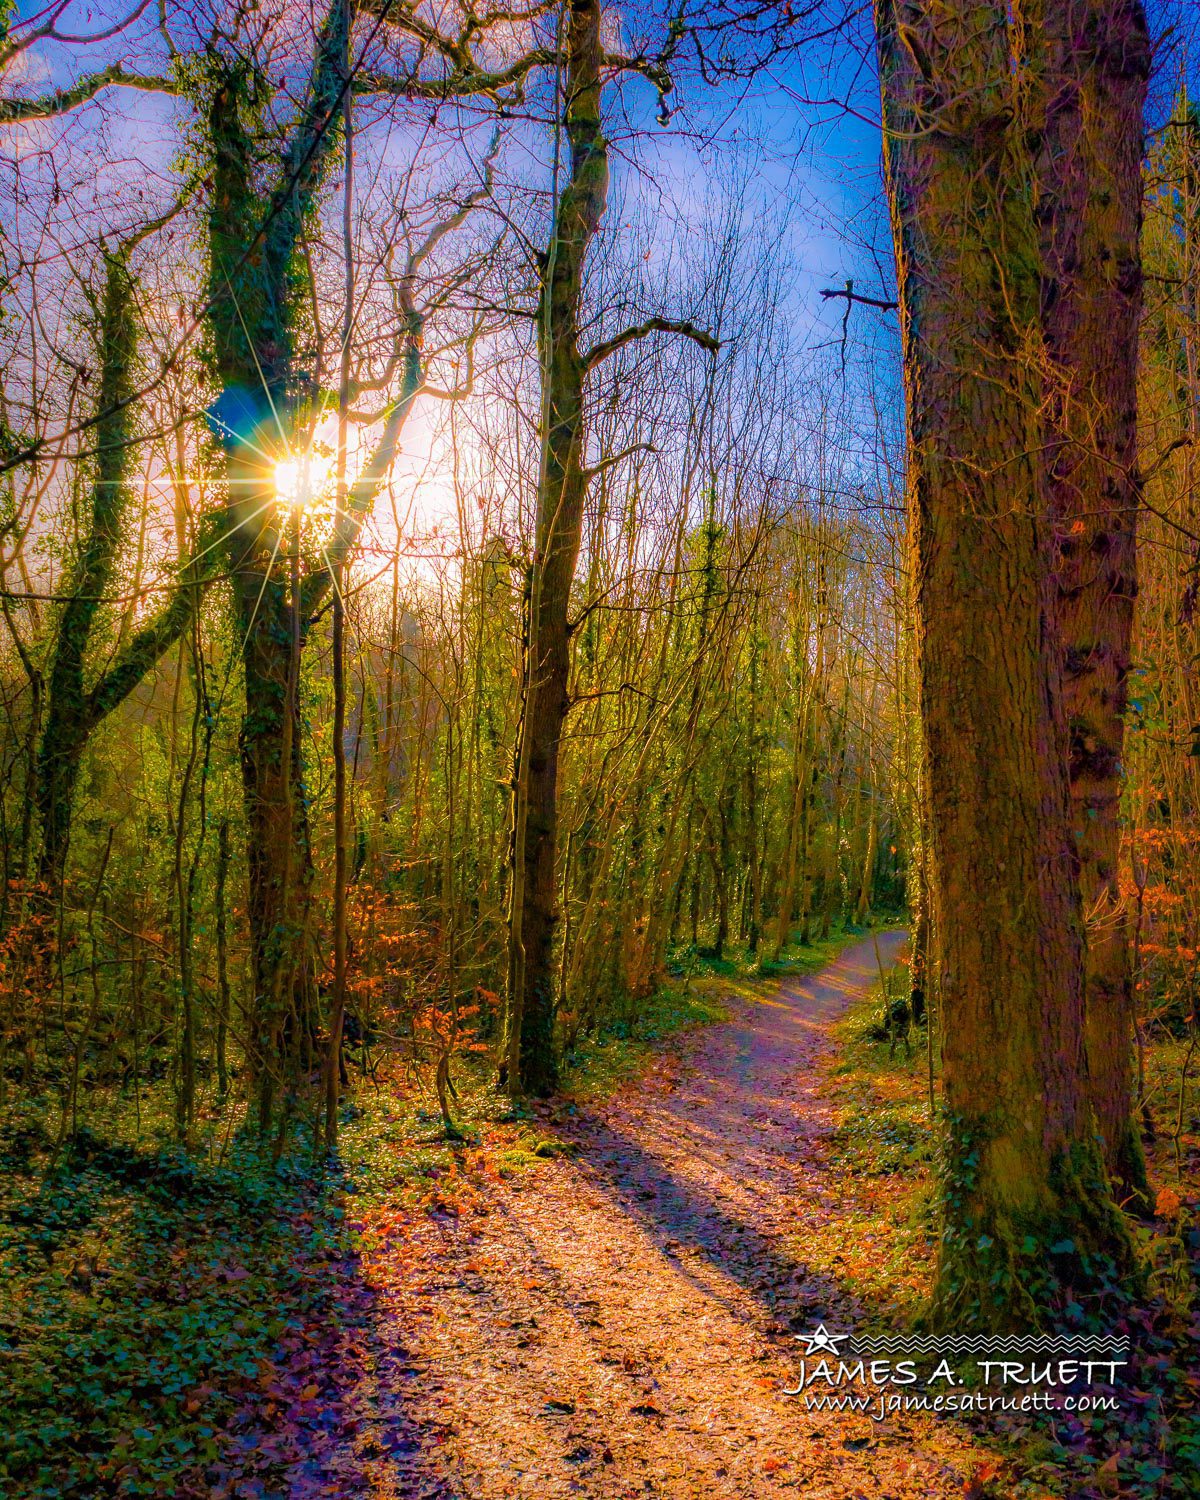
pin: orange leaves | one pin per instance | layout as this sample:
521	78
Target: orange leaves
983	1477
1106	1478
1167	1204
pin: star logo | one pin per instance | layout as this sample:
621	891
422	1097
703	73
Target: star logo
821	1341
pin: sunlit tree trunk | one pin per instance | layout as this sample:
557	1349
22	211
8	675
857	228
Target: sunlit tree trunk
1023	1171
795	869
1090	190
862	909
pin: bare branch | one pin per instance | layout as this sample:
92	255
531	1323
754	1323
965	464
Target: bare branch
884	303
14	46
615	458
600	352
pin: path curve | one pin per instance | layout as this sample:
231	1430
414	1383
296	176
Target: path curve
621	1322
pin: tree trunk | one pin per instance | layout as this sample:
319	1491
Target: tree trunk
862	909
1090	182
222	938
530	1050
70	717
278	852
1023	1173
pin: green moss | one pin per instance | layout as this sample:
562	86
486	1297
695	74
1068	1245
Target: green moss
1066	1258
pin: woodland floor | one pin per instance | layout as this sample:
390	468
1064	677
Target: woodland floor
600	1300
620	1322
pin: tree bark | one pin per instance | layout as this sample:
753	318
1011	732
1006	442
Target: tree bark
531	1062
1027	1215
1090	210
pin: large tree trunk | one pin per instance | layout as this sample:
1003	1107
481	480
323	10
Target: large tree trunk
1090	186
1023	1172
251	317
530	1058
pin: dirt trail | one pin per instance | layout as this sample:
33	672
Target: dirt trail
620	1323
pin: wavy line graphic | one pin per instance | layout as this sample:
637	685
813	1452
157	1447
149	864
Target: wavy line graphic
993	1344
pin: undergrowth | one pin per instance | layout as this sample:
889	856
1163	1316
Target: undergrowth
884	1148
157	1304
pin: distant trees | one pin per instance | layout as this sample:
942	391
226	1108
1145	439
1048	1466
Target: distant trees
1160	866
628	514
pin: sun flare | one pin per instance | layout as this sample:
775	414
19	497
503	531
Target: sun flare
302	480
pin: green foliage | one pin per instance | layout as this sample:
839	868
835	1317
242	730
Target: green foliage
619	1049
1000	1269
142	1294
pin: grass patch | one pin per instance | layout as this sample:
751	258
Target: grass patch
881	1155
618	1051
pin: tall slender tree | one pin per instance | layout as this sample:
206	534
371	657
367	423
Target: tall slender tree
530	1062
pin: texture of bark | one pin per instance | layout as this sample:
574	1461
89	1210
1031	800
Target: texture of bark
1023	1171
1089	179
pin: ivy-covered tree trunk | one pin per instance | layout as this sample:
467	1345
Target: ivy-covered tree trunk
70	716
1090	194
75	706
257	283
255	288
530	1057
1027	1215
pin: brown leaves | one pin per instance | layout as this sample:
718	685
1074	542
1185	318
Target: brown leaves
1106	1478
1167	1204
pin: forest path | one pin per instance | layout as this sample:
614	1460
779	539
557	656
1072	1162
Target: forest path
621	1322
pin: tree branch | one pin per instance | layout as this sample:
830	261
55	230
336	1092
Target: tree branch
600	352
11	47
852	296
149	644
14	111
594	470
